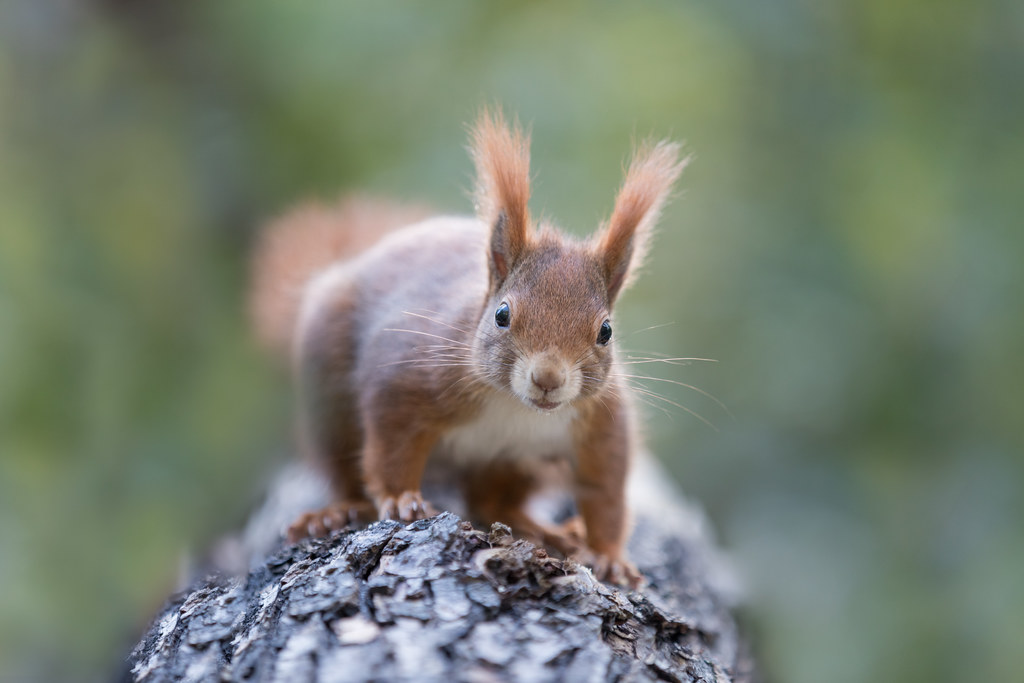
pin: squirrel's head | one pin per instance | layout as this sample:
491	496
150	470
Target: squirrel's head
545	333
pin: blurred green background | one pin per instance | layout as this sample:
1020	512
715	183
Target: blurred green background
848	244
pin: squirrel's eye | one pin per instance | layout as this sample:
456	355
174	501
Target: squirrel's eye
605	335
501	316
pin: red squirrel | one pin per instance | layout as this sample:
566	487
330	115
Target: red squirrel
485	341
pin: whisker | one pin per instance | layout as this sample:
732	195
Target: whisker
475	333
647	329
639	393
648	353
578	363
682	384
469	328
647	392
435	320
469	380
637	360
652	404
445	365
433	356
426	334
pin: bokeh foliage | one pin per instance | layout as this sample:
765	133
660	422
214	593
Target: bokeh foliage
848	245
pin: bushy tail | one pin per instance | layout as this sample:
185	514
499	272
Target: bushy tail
304	241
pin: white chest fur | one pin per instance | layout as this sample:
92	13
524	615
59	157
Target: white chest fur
505	428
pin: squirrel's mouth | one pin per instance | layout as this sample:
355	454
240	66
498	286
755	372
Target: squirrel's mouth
544	405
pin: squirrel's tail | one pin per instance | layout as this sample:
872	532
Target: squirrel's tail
304	241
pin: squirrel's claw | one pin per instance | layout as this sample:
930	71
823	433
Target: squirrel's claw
408	506
333	517
619	571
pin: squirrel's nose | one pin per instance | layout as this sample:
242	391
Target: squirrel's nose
547	379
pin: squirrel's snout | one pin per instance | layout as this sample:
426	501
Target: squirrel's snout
547	378
545	381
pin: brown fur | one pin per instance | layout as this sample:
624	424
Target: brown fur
625	240
305	240
500	491
502	158
399	355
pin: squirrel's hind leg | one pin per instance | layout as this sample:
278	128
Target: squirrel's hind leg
499	490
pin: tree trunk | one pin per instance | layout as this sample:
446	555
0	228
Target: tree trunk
439	600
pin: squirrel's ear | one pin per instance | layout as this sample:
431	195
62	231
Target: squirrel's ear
501	153
623	243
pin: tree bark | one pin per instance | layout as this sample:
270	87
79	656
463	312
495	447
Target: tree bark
439	600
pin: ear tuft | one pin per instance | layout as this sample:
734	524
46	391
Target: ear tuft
623	244
501	153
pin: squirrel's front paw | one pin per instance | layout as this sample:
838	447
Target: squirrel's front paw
619	571
407	506
335	516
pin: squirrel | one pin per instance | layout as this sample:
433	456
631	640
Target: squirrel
485	341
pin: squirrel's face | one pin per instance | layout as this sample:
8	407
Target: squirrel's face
545	334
